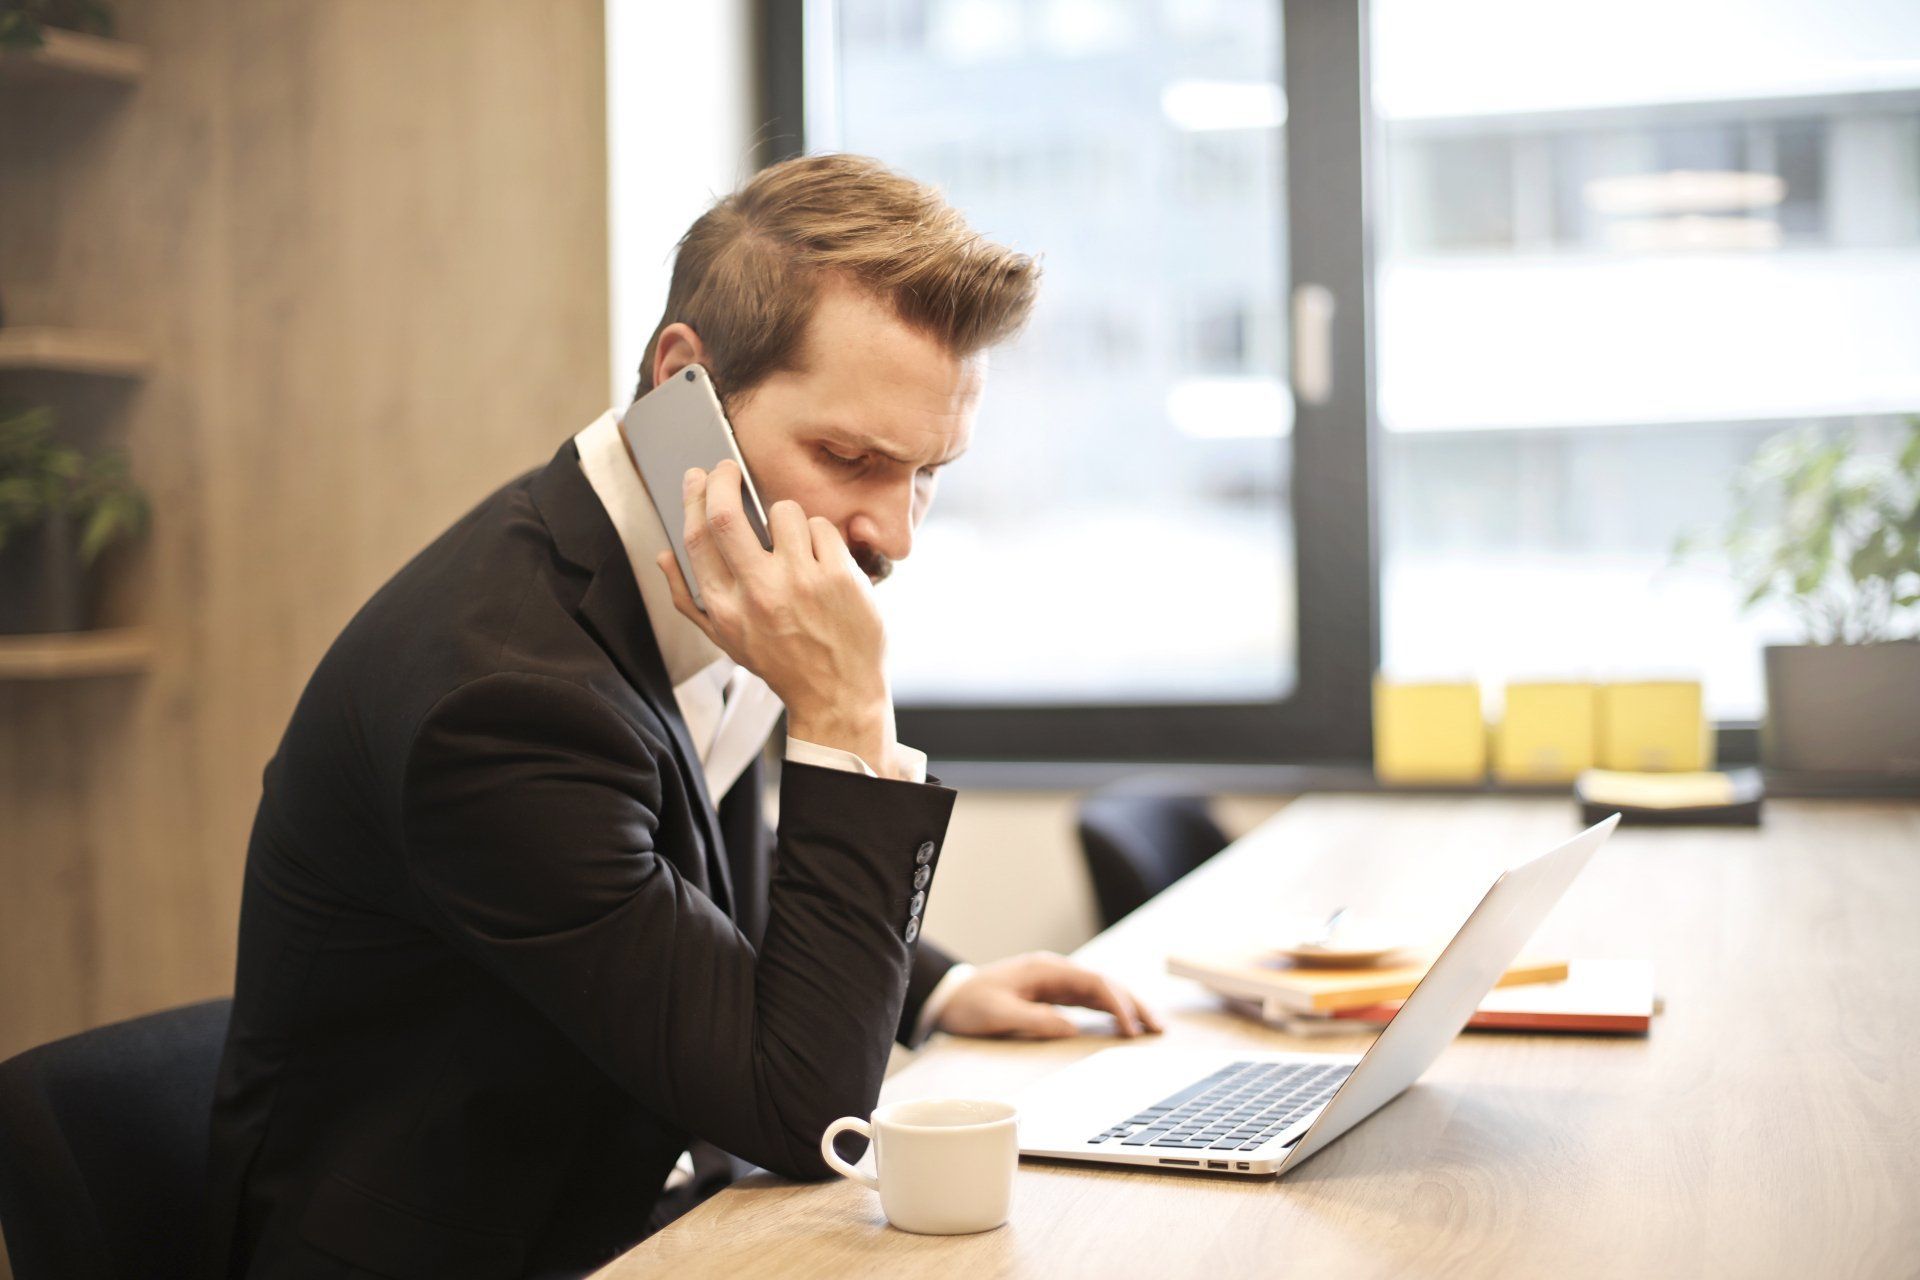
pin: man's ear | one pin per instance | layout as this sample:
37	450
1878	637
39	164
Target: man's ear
679	346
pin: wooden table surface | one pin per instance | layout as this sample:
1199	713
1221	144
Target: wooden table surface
1770	1125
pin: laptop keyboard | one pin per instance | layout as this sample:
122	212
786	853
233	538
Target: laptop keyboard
1237	1108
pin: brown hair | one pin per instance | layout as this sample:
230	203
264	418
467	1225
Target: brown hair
747	271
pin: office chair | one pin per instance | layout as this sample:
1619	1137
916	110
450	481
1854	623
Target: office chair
103	1147
1136	844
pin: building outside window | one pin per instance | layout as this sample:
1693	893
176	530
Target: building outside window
1129	477
1615	248
1622	247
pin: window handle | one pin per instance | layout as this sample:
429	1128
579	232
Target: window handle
1313	308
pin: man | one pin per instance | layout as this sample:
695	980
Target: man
514	937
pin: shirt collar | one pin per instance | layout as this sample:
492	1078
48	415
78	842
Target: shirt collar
616	481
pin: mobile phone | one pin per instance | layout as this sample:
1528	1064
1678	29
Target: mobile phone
672	429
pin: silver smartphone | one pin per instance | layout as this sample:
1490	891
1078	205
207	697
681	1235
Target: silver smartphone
669	431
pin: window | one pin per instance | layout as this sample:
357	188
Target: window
1115	572
1577	263
1611	274
1128	478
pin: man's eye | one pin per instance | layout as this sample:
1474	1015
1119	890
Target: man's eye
841	460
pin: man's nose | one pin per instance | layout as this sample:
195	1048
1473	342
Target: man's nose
886	527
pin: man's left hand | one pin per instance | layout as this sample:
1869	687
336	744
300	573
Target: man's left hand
1016	997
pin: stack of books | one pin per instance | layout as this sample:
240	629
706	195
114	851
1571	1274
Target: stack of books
1607	996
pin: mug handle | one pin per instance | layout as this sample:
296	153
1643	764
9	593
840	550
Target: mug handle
832	1157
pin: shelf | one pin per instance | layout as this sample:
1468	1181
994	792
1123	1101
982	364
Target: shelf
73	655
69	56
84	351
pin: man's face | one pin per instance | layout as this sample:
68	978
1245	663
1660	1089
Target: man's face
858	433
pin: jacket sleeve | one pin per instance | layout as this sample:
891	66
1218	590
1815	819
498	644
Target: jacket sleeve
930	964
535	828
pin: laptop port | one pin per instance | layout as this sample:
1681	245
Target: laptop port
1241	1165
1191	1164
1216	1164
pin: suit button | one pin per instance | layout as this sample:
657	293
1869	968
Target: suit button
924	854
921	877
913	928
917	905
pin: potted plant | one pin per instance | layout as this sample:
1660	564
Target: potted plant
59	510
1832	532
23	23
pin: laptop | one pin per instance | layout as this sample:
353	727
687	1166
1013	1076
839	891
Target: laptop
1261	1114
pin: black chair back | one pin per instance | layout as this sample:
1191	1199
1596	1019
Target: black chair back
1136	844
103	1147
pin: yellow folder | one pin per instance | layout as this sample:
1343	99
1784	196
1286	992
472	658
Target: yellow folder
1547	732
1653	726
1428	732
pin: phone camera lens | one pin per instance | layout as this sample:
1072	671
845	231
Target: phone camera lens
689	375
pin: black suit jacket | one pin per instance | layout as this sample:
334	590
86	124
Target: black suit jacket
500	956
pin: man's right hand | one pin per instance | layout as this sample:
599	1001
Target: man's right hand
801	617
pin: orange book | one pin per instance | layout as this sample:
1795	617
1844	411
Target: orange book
1283	987
1614	996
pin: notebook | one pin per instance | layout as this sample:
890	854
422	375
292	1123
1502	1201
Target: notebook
1283	987
1612	996
1733	798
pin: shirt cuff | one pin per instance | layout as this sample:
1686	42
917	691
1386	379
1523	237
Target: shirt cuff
937	1000
802	752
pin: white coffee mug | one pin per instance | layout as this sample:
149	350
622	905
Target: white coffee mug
946	1164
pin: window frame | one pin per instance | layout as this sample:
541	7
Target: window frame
1327	714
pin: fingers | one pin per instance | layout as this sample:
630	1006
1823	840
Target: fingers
1110	998
788	525
709	566
726	512
1037	1021
1068	983
829	548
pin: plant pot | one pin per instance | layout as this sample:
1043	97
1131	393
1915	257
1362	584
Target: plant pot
1843	708
41	580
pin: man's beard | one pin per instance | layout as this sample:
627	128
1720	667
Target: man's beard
876	566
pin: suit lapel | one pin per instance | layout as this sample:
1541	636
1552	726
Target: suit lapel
612	609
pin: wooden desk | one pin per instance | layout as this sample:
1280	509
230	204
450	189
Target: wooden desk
1769	1126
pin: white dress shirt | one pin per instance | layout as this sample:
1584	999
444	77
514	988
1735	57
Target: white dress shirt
729	711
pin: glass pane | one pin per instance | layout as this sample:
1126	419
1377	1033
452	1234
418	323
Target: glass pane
1120	530
1621	246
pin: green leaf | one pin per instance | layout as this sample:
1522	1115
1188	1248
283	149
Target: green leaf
38	477
1826	526
19	31
96	534
1910	455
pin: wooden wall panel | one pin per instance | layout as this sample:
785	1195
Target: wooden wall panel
367	242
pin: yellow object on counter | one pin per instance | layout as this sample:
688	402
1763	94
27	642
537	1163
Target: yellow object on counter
1547	733
1653	726
1428	732
1658	790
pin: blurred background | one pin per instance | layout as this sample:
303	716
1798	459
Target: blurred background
1410	337
1614	249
